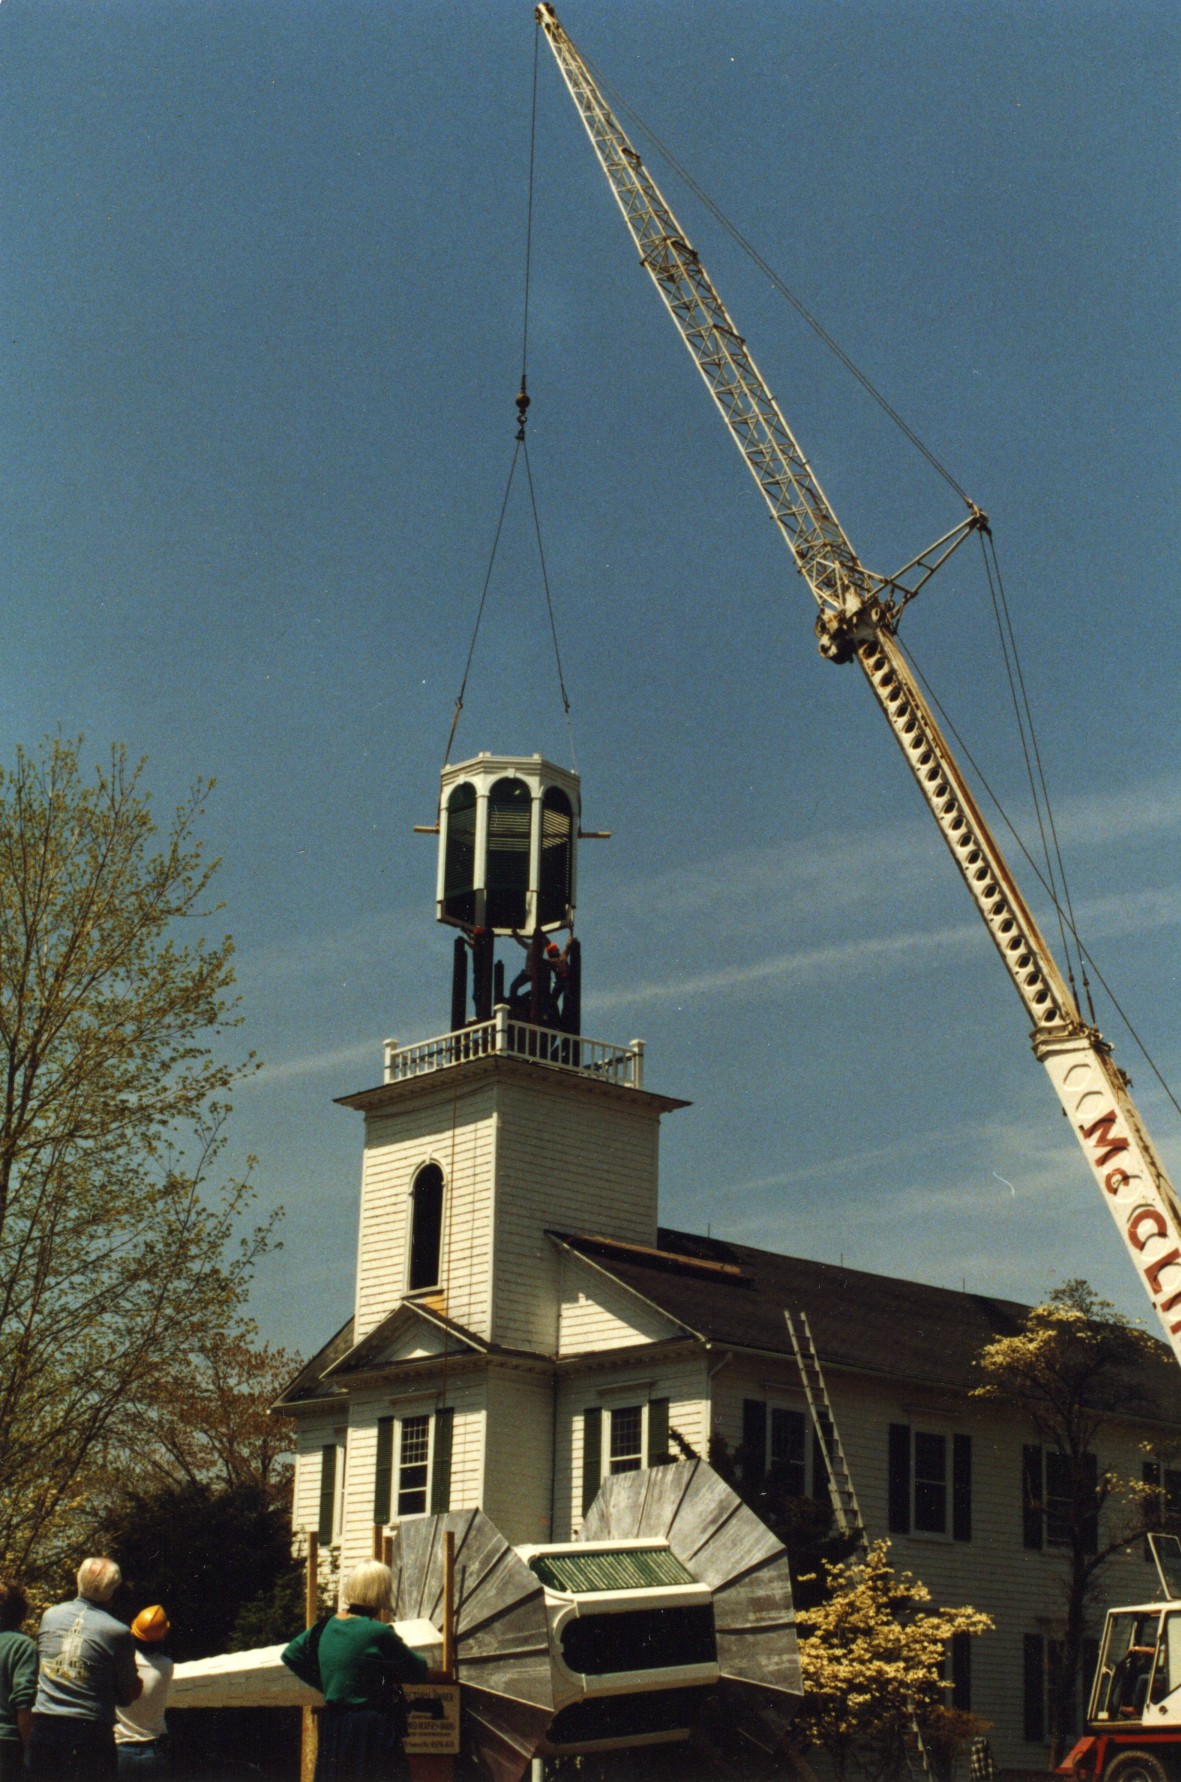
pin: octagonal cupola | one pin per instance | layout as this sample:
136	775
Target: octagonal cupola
508	839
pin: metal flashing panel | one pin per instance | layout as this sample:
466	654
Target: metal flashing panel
621	1569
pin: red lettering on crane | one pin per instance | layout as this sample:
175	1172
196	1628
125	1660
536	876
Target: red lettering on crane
1152	1273
1115	1179
1103	1127
1137	1237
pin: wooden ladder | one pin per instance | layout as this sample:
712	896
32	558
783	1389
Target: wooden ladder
846	1509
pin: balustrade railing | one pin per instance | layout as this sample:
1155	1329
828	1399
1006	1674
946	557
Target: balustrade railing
508	1038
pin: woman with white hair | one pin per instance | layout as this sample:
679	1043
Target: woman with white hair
357	1661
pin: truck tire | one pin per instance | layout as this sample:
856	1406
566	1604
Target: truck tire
1136	1766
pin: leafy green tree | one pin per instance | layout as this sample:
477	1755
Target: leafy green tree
210	1557
1076	1363
872	1655
119	1252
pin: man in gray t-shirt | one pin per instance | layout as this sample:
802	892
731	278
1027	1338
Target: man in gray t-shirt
87	1661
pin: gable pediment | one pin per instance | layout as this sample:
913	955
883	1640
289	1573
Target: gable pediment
410	1333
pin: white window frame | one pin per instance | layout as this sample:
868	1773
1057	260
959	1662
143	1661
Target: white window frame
614	1411
801	1411
433	1287
397	1514
936	1435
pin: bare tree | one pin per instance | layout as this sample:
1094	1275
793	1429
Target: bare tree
119	1255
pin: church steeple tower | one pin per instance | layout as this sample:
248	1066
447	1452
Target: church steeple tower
512	1123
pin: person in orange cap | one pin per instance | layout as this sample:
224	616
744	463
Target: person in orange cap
141	1735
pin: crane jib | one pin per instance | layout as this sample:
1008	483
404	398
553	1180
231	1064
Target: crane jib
856	621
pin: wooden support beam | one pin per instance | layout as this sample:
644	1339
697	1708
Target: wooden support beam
309	1730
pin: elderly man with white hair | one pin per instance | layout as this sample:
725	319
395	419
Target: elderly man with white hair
87	1670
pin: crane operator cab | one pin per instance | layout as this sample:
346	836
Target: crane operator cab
1133	1731
508	829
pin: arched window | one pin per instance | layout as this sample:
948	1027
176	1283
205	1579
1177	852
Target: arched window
557	823
426	1226
510	808
459	862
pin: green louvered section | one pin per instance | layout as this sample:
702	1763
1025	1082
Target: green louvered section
624	1569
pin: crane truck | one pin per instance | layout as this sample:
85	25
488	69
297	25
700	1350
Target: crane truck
1134	1718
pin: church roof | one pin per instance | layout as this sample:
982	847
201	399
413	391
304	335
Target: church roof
309	1383
734	1295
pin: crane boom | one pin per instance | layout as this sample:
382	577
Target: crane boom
856	621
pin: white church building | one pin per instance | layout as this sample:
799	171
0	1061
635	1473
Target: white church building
523	1325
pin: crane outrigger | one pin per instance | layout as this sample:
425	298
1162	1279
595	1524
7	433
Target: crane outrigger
857	618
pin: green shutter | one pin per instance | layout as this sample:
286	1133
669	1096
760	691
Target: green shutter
898	1478
327	1494
441	1467
752	1456
657	1431
592	1455
1033	1656
1090	1495
961	1488
383	1478
961	1672
1031	1495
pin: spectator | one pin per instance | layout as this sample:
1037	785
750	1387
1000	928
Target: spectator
18	1681
87	1671
357	1660
140	1731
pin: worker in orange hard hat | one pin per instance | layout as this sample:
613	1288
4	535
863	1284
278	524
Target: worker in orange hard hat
141	1734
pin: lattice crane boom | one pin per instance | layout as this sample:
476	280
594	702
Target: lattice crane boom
857	617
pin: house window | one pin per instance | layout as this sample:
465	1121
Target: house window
1051	1514
421	1477
930	1482
426	1227
636	1436
775	1441
414	1465
627	1439
331	1491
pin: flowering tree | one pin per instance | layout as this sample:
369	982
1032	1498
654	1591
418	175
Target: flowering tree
872	1656
1075	1364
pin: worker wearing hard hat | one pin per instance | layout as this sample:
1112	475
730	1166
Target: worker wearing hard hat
140	1730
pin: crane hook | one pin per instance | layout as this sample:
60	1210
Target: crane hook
522	408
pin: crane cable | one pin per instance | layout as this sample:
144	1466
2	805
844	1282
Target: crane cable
784	289
1039	788
521	449
1035	771
1066	915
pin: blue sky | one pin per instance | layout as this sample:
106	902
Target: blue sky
262	292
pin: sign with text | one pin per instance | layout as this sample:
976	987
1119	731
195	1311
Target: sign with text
433	1719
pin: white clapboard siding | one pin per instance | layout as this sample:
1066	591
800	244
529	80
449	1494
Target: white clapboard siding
569	1157
455	1131
681	1381
597	1313
465	1394
1020	1588
520	1438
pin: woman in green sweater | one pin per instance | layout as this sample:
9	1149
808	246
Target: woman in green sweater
358	1662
